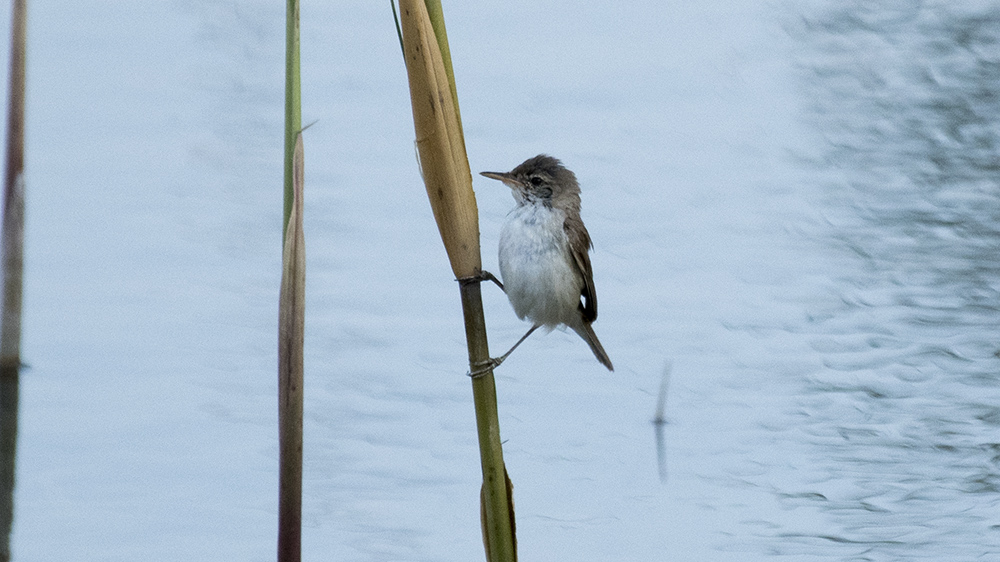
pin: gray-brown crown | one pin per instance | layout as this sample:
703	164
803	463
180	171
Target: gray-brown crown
543	178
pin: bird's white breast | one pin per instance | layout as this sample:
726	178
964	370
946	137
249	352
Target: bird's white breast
539	276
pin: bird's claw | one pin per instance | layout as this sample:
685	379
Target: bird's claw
482	367
479	276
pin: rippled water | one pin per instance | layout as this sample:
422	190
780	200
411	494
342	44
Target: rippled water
902	419
794	205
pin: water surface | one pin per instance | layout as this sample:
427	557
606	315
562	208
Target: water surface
793	204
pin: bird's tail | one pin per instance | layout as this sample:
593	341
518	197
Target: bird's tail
588	335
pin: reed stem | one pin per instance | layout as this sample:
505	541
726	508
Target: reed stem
12	234
293	101
448	180
291	309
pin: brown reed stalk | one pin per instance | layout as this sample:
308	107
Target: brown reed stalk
446	174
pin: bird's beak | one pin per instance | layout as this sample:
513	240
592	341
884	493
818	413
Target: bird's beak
505	177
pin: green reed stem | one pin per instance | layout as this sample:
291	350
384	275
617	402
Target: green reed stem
291	309
293	100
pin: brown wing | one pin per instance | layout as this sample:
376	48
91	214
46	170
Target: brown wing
579	246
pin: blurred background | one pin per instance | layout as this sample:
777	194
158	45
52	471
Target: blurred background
793	203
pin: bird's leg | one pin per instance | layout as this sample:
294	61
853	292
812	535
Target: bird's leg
479	276
494	362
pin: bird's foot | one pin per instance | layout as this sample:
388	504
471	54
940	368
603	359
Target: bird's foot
480	276
482	367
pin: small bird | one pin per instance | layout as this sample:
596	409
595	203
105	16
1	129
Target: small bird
544	247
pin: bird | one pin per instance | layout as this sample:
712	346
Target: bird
544	253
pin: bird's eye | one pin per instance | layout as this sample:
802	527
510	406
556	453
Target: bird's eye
536	181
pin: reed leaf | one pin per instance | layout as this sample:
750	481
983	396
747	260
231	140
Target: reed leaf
291	336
